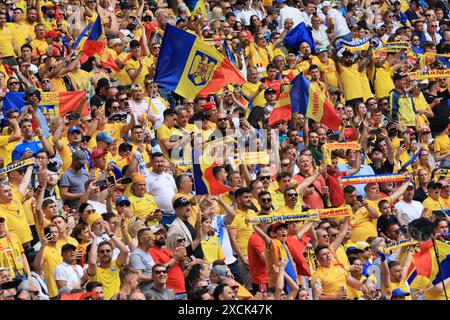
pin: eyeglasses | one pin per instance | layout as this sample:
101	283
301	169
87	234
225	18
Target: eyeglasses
428	15
340	108
46	81
285	164
181	240
264	177
266	200
292	194
160	271
325	236
13	83
104	251
122	100
433	26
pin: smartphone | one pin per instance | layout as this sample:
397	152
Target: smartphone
47	232
375	131
359	198
126	181
111	179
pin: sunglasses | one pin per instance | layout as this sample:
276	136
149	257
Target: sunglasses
264	177
292	194
222	119
181	240
160	271
285	164
105	251
13	83
266	200
124	204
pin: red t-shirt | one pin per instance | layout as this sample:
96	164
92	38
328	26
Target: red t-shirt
336	192
313	200
175	278
257	267
296	247
275	85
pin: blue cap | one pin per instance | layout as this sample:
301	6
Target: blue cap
74	128
399	293
121	199
105	137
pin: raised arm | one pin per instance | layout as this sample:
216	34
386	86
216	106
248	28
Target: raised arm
266	238
341	235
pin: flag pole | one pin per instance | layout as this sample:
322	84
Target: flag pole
436	253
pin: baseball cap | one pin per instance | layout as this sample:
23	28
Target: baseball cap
122	199
399	293
136	86
209	105
277	225
52	34
114	42
434	185
180	201
397	2
353	250
155	229
269	91
220	271
321	48
96	152
68	247
80	156
104	136
411	185
326	4
399	75
73	129
362	245
375	149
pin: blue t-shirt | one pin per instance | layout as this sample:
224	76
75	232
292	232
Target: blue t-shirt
23	147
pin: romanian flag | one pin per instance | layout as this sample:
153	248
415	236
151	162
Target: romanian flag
96	42
204	180
107	60
297	35
282	109
426	263
310	101
56	104
197	7
191	67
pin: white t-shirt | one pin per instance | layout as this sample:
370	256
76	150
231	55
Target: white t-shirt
72	274
139	108
340	25
162	186
218	225
409	211
320	36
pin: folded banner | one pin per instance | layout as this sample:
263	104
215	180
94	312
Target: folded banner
328	147
398	244
17	165
56	104
395	47
378	178
310	215
446	211
257	157
335	212
432	74
413	158
359	45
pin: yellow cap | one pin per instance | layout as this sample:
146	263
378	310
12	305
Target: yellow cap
92	218
138	178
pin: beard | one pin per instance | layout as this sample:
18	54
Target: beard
160	242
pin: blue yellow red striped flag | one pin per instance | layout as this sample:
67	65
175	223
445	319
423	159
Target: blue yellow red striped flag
307	99
197	7
427	265
282	109
96	42
191	67
204	180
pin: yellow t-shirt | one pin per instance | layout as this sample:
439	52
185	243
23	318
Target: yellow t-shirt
422	282
62	242
351	82
143	206
19	33
109	278
363	226
82	79
163	133
39	47
381	79
121	76
329	69
442	144
432	204
249	88
52	258
421	104
134	64
212	250
6	38
15	218
113	129
332	279
402	285
11	253
244	230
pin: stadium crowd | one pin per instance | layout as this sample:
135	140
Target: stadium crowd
100	203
